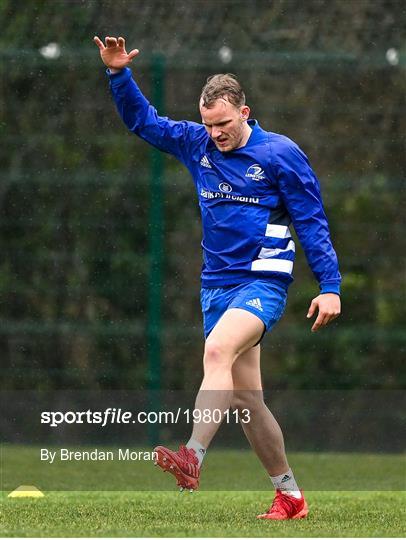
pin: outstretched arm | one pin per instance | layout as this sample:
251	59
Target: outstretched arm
114	54
176	138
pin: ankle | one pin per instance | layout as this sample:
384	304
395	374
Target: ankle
287	484
198	448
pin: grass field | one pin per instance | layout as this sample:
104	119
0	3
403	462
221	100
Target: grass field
224	470
213	511
362	514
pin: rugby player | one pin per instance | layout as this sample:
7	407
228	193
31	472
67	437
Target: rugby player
251	185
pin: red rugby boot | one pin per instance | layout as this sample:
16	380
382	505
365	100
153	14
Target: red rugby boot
286	507
183	464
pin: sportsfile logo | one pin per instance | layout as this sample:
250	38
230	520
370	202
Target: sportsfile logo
204	162
255	172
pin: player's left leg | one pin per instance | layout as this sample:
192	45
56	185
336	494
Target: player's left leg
262	430
265	437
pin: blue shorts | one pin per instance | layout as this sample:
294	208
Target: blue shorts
264	298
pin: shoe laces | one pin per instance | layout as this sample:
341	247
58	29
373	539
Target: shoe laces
187	454
282	504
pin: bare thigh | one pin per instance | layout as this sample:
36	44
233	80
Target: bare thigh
236	332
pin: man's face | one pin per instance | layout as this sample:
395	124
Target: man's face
225	123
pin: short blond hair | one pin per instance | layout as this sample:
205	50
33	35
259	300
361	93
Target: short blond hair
222	85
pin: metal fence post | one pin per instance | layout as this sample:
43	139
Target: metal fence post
154	324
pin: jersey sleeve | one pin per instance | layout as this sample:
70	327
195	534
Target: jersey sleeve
300	192
141	118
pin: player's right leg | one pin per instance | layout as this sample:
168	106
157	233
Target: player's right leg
236	332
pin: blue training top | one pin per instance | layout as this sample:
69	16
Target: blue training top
248	197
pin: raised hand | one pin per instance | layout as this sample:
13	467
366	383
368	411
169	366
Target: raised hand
113	53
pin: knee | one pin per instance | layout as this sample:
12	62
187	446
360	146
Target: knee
252	400
216	354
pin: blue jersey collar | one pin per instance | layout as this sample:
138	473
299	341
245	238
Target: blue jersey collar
257	134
